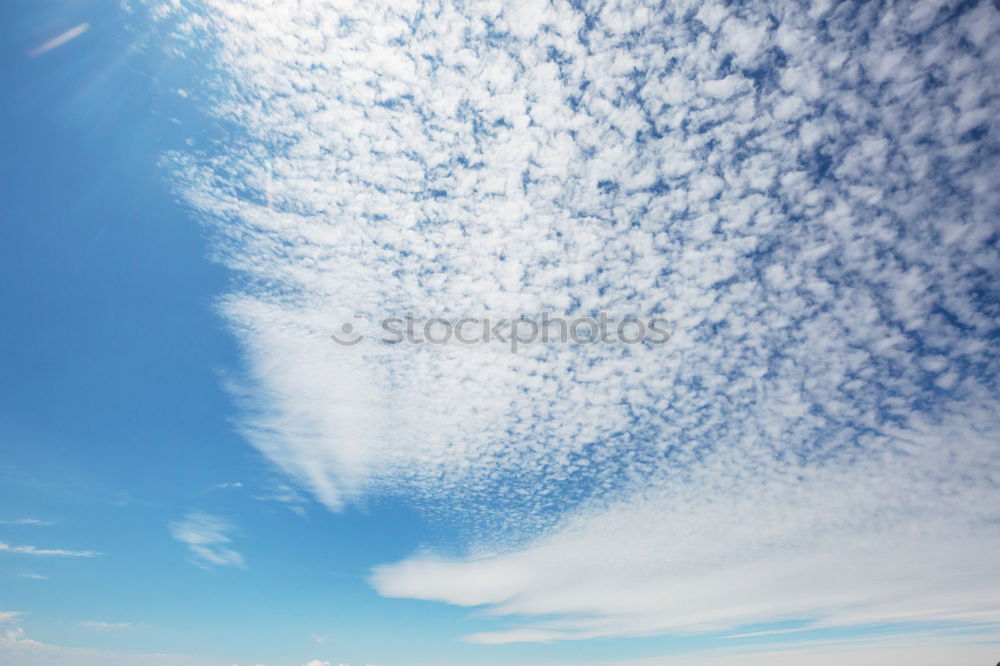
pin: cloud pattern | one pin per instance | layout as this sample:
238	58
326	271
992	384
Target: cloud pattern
805	190
45	552
207	537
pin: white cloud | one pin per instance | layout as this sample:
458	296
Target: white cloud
105	626
283	493
14	636
17	648
941	650
207	537
26	521
26	652
45	552
806	195
866	538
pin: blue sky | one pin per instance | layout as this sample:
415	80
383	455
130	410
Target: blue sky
198	194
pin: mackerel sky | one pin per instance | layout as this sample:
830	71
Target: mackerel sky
204	197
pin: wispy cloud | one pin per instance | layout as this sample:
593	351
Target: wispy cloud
293	500
17	648
26	521
207	537
12	635
766	545
864	652
32	576
46	552
105	626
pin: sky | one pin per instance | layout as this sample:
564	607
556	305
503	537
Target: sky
213	453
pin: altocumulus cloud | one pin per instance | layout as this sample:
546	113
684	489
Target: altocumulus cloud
805	191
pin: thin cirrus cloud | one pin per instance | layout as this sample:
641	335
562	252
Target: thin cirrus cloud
105	626
804	192
27	521
207	537
45	552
